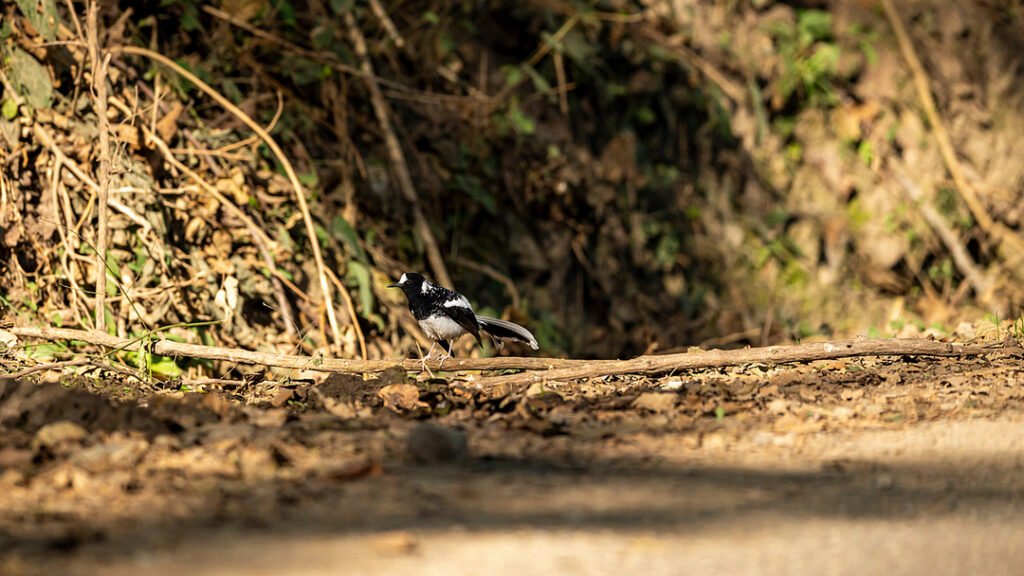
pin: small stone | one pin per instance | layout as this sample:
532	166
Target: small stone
672	385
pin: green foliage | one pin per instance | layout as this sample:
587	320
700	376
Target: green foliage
340	228
189	13
359	275
866	152
306	72
474	187
943	270
865	39
46	351
514	121
1017	327
810	57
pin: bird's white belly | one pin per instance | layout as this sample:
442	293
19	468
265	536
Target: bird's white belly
441	328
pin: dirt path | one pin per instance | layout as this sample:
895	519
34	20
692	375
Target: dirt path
860	467
944	498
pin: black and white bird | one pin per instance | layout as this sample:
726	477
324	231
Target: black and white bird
444	315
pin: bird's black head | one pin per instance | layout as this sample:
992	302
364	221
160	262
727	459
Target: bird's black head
410	282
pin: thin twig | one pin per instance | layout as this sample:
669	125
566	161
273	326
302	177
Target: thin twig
563	94
98	62
386	23
351	312
66	261
44	367
300	194
731	89
394	150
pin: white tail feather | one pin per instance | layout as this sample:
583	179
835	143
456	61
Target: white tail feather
502	330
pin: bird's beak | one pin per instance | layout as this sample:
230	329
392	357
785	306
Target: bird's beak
394	285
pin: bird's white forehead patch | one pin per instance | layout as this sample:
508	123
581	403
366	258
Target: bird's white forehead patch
402	280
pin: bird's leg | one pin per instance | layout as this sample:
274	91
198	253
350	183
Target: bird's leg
423	359
444	357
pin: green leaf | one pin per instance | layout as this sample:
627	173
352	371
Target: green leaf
825	59
579	48
513	75
360	275
163	366
342	229
31	79
43	16
286	12
815	23
46	351
10	109
540	83
519	121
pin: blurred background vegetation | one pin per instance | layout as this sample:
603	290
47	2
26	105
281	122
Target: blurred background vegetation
621	176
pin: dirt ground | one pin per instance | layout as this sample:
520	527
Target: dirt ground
900	466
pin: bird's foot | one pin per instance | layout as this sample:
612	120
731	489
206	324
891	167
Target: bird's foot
424	367
423	359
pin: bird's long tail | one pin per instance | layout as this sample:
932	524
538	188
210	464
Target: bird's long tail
502	330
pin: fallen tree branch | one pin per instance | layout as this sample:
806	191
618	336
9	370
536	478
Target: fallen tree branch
501	386
546	369
315	363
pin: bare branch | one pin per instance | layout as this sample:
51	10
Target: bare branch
545	369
